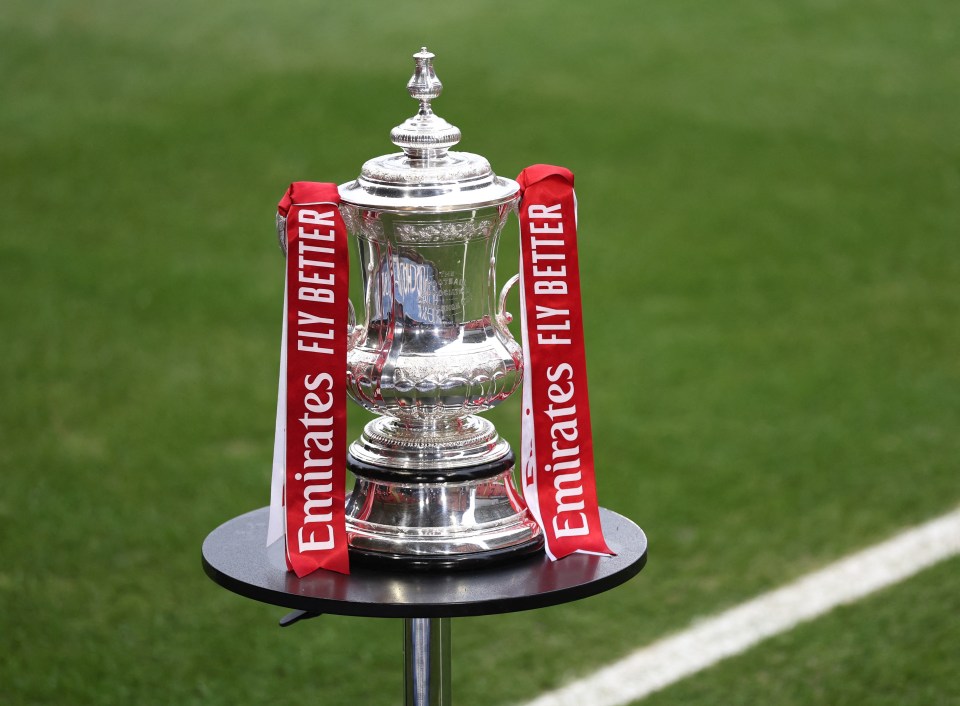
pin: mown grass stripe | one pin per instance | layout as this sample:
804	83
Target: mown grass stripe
675	657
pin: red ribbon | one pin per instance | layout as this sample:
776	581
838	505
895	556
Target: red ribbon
316	414
556	439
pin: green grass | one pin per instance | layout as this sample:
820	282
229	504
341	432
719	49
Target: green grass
769	217
893	648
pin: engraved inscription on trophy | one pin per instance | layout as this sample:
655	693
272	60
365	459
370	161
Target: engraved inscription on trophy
423	294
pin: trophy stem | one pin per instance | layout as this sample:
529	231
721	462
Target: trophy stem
426	661
435	448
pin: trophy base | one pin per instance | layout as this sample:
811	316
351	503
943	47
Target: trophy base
429	450
462	562
466	518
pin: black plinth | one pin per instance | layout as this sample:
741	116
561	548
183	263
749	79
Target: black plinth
235	557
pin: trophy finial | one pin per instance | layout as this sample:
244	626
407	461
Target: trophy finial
424	85
425	135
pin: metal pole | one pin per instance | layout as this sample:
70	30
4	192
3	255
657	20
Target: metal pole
426	662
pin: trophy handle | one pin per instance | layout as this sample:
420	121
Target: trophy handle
354	332
504	317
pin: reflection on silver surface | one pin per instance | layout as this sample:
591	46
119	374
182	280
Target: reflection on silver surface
437	519
426	656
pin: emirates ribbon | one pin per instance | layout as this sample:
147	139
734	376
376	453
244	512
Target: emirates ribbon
309	474
556	437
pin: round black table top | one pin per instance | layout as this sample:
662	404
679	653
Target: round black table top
235	557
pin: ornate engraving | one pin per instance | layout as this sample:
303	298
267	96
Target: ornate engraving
433	232
392	435
453	167
432	389
364	224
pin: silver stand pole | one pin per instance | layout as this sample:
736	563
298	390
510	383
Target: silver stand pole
426	661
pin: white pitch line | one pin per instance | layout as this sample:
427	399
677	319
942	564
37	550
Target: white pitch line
710	640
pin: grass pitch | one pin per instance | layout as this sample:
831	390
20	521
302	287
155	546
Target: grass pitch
769	215
893	648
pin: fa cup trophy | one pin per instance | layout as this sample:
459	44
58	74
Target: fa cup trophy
431	348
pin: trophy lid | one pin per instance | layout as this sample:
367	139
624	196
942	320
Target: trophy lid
427	176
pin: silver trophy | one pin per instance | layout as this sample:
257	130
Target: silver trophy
434	482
